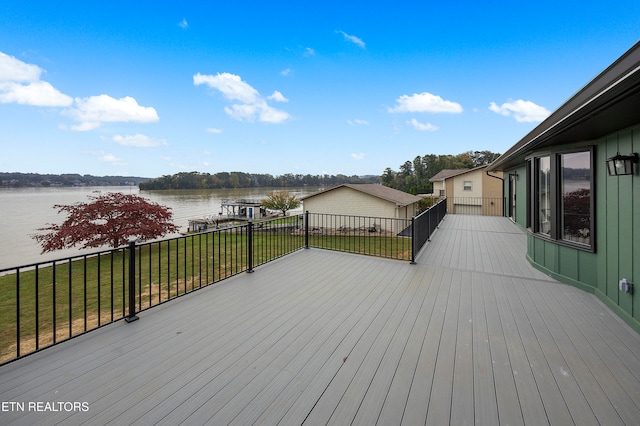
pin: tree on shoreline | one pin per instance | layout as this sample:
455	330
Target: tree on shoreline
281	201
109	219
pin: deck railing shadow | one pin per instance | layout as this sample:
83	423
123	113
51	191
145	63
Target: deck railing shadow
42	304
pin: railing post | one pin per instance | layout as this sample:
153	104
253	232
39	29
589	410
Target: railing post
132	283
306	229
413	240
18	339
250	247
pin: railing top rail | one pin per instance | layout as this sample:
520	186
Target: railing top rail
364	217
63	259
111	250
432	207
207	231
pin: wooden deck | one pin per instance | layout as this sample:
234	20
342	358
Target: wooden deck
472	334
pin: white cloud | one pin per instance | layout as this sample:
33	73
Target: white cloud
231	86
272	115
358	122
183	24
20	83
522	111
425	102
252	105
353	39
36	93
423	127
278	97
91	112
213	130
138	140
110	158
309	52
285	72
12	69
242	111
359	156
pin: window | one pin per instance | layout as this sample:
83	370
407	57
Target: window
576	197
543	168
467	185
560	197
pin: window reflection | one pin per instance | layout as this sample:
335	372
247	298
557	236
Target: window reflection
576	197
544	195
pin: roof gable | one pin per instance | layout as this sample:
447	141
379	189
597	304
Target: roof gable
449	173
444	174
400	198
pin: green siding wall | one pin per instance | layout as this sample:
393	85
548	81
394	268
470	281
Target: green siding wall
617	233
521	196
618	222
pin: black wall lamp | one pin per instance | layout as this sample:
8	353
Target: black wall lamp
619	165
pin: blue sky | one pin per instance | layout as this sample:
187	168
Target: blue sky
154	88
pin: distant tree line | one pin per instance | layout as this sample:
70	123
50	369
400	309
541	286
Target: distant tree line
413	176
199	180
16	180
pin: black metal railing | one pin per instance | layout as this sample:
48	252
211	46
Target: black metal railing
42	304
376	236
425	224
275	238
482	206
45	303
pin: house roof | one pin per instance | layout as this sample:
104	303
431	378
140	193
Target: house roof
448	173
400	198
607	104
444	174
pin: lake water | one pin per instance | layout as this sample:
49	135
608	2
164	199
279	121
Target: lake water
23	210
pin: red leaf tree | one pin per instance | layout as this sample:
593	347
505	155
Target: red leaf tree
111	218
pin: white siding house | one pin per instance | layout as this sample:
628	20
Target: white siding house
471	191
369	200
439	181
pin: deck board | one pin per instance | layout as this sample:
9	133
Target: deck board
421	389
462	406
527	324
393	409
484	395
571	394
529	396
471	334
509	410
442	386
